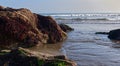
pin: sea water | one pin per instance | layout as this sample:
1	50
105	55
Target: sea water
84	46
84	16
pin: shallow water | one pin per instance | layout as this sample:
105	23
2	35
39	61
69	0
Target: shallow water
90	49
51	49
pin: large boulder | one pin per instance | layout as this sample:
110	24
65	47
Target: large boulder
114	34
21	27
48	26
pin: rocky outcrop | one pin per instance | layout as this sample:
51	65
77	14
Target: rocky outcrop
21	27
48	26
21	57
65	27
114	34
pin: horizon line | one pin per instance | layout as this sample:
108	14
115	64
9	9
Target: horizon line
78	12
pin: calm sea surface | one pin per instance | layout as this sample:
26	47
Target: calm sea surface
90	49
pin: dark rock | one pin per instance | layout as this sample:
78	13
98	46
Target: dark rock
15	28
60	57
19	57
21	27
114	34
65	27
105	33
49	26
16	58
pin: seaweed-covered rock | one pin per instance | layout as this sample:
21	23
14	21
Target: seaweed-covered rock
21	57
21	27
114	34
65	27
17	58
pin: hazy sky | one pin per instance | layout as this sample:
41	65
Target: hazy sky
64	6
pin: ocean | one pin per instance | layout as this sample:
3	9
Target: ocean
84	16
83	45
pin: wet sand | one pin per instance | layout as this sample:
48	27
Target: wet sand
52	49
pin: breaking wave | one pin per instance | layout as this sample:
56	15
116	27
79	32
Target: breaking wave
84	16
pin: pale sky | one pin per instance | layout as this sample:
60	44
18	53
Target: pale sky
64	6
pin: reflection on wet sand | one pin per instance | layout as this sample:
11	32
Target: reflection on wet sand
53	49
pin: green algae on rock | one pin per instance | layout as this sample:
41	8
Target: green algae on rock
23	57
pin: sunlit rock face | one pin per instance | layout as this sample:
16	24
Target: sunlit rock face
21	27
